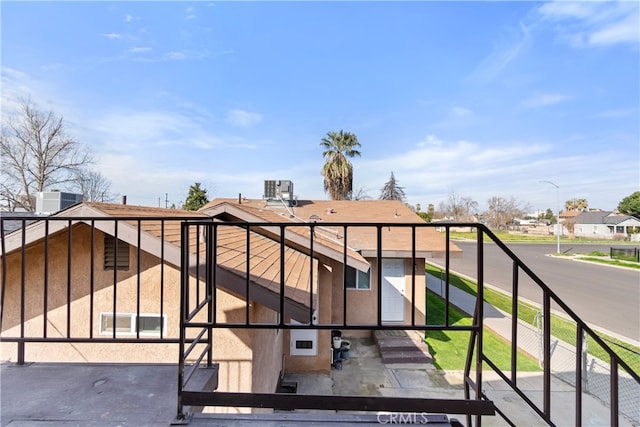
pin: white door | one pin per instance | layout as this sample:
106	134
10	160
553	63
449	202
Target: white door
393	289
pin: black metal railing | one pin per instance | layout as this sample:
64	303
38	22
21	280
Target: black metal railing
48	265
53	263
628	254
476	355
203	264
617	366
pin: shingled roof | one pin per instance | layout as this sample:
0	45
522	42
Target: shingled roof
330	216
161	231
601	217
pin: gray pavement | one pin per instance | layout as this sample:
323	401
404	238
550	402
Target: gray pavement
46	394
604	296
563	366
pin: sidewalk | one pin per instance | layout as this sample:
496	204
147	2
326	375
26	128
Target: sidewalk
563	365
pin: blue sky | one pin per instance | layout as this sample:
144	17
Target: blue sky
477	98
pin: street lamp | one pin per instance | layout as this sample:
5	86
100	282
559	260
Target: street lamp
558	227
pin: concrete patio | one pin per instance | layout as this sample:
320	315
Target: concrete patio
45	394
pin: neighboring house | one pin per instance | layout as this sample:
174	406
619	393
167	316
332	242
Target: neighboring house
606	225
9	225
101	274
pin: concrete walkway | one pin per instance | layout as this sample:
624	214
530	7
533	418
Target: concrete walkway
563	367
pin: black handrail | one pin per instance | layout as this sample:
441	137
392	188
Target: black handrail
582	328
192	333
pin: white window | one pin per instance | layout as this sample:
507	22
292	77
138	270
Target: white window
130	324
357	279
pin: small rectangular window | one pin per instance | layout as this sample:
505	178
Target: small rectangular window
130	324
149	324
122	322
111	251
357	279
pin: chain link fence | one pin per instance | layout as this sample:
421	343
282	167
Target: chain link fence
596	373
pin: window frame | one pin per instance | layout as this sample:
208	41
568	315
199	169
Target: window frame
358	279
133	324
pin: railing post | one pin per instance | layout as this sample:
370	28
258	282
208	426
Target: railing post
480	325
514	324
20	361
184	292
546	331
579	373
447	266
209	267
614	391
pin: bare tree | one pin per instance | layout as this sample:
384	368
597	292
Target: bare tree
36	153
94	186
502	211
360	194
458	208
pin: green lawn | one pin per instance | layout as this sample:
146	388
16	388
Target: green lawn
619	263
505	236
605	258
560	328
449	348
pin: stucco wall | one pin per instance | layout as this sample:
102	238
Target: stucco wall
232	348
321	363
362	304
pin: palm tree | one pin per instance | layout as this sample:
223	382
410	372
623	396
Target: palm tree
579	205
337	170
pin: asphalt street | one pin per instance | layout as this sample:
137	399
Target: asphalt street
607	298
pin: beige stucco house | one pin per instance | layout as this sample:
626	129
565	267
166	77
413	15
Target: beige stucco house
95	272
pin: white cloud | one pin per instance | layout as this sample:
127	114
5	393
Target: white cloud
480	170
175	56
624	31
128	18
141	130
563	10
593	23
139	49
184	55
504	53
460	112
431	140
243	118
112	36
18	86
543	100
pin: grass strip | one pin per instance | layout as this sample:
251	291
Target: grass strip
562	329
505	236
449	348
628	264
